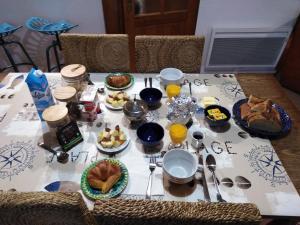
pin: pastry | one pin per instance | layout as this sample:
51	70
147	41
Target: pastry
111	138
117	99
259	122
245	111
118	81
254	100
260	114
104	176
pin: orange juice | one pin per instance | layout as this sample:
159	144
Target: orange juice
177	133
173	90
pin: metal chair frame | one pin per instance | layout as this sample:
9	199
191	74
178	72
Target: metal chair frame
13	64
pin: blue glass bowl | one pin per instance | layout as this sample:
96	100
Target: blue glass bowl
217	123
150	134
151	96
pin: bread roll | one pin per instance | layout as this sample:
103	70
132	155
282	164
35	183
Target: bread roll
104	176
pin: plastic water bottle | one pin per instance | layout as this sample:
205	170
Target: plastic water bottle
40	91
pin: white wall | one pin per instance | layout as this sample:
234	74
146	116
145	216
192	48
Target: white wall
244	14
87	13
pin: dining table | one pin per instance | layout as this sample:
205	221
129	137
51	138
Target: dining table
249	168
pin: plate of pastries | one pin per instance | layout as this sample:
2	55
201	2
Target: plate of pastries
262	117
104	179
116	100
119	81
112	140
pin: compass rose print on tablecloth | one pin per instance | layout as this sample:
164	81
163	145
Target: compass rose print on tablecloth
232	90
15	158
266	164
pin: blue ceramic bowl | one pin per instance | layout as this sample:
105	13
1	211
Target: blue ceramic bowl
217	123
150	134
151	96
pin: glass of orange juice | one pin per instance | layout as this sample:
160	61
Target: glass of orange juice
178	133
173	90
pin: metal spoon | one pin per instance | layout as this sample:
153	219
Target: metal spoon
62	157
145	80
211	165
150	82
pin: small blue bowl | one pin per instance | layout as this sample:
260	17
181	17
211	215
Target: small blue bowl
151	96
217	123
150	134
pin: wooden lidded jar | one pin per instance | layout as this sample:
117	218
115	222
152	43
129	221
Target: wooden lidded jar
65	94
56	116
75	75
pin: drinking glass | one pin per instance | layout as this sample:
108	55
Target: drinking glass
178	133
173	90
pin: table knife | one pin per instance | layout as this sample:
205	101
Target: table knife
204	183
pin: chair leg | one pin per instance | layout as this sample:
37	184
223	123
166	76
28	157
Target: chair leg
48	57
10	58
58	65
56	57
25	53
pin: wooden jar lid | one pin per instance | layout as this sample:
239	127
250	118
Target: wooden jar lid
64	94
73	71
55	115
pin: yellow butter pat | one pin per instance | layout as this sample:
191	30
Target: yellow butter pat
220	116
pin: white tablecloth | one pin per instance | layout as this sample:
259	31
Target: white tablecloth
237	154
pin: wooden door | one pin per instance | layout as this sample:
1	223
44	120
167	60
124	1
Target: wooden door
288	69
150	17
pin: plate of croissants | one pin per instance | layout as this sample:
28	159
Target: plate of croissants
261	117
104	179
119	81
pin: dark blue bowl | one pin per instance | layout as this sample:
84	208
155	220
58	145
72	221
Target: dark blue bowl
151	96
217	123
284	117
150	134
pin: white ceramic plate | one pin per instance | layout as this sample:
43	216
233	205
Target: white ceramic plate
109	106
113	151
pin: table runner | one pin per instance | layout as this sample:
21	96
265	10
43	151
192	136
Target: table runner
238	155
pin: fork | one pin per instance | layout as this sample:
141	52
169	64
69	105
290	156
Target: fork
152	166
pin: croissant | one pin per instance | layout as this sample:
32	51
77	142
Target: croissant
118	81
104	176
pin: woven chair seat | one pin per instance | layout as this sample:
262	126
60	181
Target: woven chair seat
143	212
43	208
154	53
7	29
99	53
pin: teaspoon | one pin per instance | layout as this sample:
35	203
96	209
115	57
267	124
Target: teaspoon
62	157
211	165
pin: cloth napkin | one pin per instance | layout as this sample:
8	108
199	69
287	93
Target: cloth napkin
139	175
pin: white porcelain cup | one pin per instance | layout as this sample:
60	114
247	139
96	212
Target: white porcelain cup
171	76
197	139
179	166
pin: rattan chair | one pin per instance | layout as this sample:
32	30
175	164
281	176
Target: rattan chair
143	212
154	53
99	53
43	208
